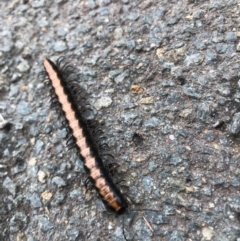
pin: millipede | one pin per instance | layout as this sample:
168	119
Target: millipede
87	150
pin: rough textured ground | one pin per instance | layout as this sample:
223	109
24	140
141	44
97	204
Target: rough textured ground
164	79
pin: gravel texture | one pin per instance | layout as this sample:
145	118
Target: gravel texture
164	78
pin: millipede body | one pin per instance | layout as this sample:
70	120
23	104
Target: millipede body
88	151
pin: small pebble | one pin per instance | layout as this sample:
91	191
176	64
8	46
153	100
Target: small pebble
41	176
103	102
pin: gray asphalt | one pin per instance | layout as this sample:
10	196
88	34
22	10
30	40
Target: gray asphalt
163	80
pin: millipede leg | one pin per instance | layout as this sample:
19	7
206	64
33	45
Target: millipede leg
104	146
60	60
88	184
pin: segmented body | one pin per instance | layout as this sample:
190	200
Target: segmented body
88	152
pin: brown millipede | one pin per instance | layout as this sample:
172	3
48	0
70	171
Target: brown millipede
93	164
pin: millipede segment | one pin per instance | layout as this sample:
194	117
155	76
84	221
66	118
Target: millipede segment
88	152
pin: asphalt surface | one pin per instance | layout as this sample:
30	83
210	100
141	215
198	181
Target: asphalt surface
163	81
